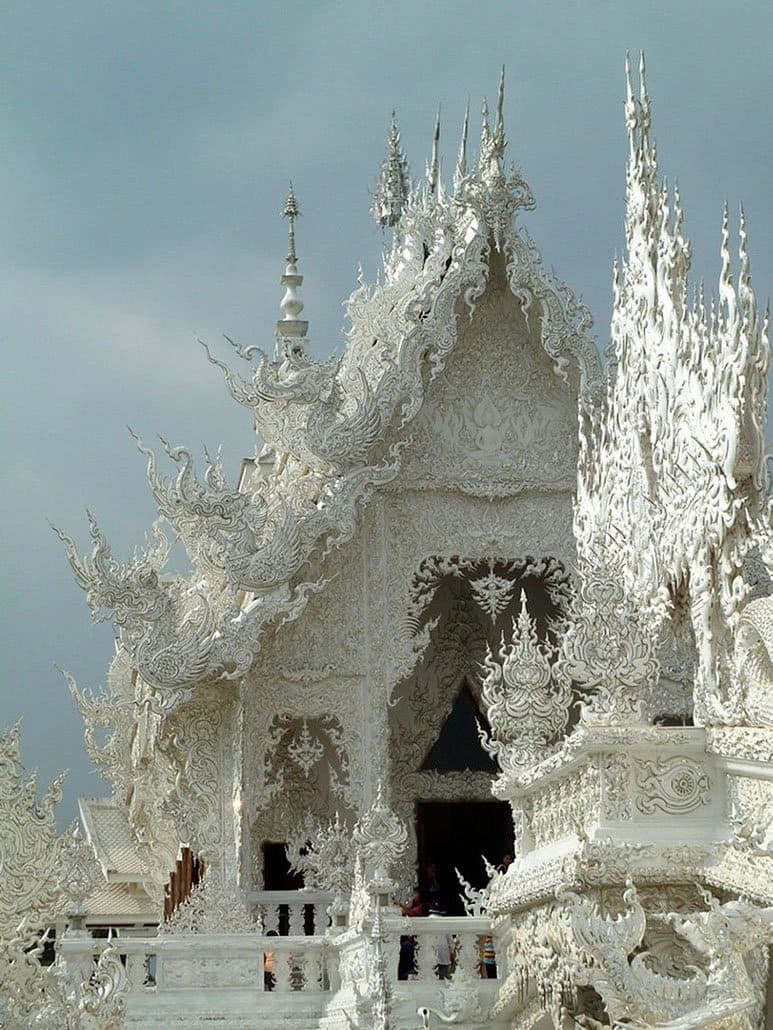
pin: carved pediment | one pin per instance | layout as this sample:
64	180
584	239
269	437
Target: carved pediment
498	420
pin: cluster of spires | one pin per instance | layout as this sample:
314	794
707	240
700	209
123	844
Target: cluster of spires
393	189
391	196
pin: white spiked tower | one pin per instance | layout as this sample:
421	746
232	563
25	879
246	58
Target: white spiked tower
289	327
394	185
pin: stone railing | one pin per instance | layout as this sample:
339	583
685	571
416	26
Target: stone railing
266	979
466	936
297	962
292	913
78	954
209	961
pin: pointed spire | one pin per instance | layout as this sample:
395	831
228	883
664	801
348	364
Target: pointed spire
393	187
291	212
461	162
291	305
726	291
744	274
631	115
485	131
644	100
492	145
745	293
433	169
499	126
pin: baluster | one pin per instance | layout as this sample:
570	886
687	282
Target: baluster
320	917
425	958
296	919
136	971
271	919
297	970
331	972
312	970
468	955
282	971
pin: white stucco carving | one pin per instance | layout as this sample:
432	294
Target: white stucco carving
423	522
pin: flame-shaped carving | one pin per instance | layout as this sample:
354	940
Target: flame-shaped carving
526	708
609	649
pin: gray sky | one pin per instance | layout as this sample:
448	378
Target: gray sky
146	153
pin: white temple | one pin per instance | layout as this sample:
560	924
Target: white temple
477	595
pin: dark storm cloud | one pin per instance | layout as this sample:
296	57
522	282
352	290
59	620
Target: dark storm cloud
147	148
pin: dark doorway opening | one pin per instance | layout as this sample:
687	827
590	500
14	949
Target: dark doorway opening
277	874
454	834
458	746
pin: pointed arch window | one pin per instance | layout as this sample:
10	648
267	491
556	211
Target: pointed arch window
458	747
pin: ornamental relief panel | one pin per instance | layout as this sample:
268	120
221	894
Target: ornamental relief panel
566	806
329	633
616	777
277	747
411	527
202	734
750	803
499	420
636	787
676	785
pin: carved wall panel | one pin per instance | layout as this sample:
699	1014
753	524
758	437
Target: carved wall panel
499	420
201	805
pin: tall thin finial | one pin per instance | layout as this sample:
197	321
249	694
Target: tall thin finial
433	171
644	100
291	212
631	108
726	291
485	135
744	274
393	187
499	127
461	162
290	327
492	144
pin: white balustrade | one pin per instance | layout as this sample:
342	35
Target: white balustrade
139	955
291	913
162	964
467	936
279	974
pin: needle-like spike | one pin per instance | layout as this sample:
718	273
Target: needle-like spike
631	112
485	132
433	171
461	162
291	305
499	128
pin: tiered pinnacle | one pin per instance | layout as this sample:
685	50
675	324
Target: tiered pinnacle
290	326
394	184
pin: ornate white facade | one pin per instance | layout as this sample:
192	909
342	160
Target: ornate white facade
464	505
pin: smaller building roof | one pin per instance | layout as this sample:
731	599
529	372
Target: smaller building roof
121	903
107	827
